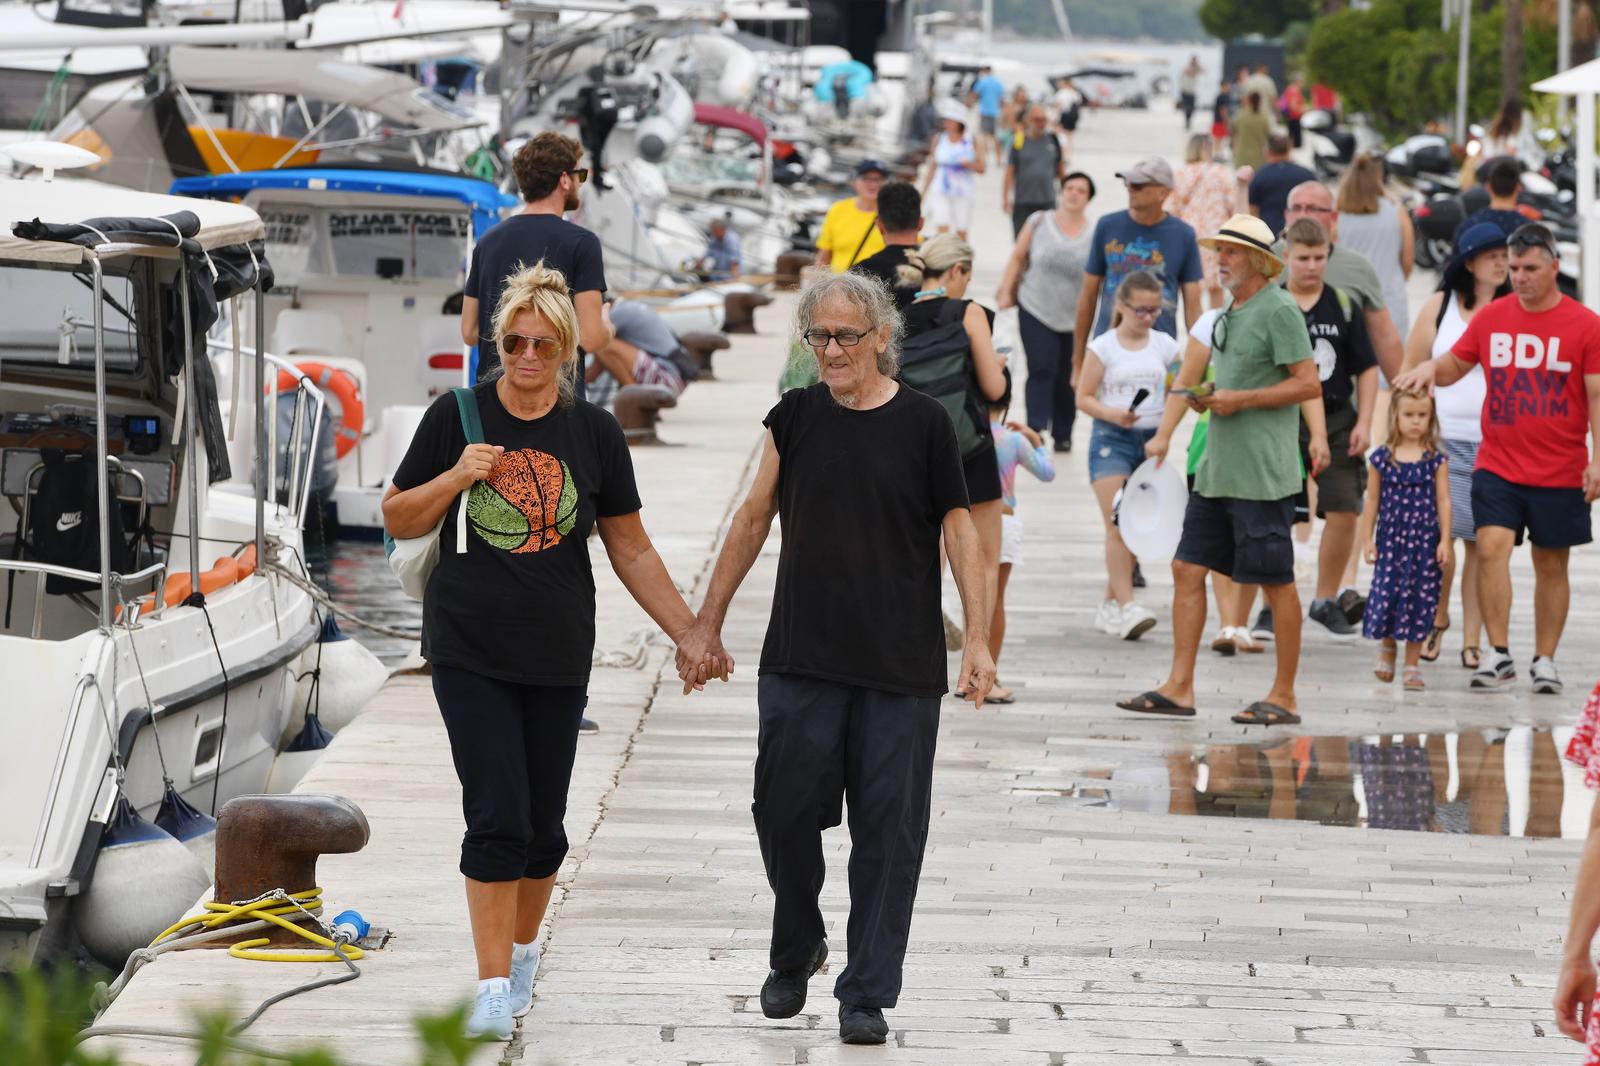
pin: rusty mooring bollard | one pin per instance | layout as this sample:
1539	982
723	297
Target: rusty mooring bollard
740	311
638	408
788	268
701	345
269	842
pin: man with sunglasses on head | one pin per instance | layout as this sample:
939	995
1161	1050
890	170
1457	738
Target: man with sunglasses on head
1144	237
549	178
1540	353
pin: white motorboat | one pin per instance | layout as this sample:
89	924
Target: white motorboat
125	688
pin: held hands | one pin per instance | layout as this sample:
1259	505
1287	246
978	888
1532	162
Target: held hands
1320	453
475	463
977	673
701	656
1574	998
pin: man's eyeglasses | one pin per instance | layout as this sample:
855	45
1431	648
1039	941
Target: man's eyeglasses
1307	209
819	338
512	345
579	174
1532	235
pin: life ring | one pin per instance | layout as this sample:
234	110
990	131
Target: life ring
345	389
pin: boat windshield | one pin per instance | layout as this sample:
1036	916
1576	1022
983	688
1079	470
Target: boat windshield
49	315
365	242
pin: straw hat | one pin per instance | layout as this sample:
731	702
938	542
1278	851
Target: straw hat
1248	231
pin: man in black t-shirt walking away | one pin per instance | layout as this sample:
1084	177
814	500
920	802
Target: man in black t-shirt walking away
548	175
900	222
854	664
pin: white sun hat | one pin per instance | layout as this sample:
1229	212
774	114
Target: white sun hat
1149	510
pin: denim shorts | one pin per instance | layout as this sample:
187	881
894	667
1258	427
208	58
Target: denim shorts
1114	451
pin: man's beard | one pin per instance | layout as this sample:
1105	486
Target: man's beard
571	203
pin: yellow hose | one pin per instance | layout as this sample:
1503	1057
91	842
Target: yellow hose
270	910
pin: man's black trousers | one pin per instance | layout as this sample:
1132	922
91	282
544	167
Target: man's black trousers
821	742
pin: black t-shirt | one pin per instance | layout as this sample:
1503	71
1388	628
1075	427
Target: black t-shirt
518	605
861	496
1270	189
521	241
1341	349
883	266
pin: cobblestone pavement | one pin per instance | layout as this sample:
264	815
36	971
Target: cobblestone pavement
1050	927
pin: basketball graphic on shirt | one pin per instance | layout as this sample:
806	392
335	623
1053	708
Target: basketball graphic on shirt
527	503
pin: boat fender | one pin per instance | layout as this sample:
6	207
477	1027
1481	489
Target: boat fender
347	676
144	880
301	754
189	826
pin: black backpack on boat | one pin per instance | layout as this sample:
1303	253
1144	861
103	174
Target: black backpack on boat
64	521
938	362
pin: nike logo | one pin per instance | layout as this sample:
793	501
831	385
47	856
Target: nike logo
69	520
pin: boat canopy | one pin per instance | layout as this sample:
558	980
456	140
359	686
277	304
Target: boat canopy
71	201
732	119
486	201
320	77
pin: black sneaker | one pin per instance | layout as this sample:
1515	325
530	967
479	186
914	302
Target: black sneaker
1327	614
1062	444
862	1025
1354	606
1138	576
783	995
1498	670
588	725
1262	630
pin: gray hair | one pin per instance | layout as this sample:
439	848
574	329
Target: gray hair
868	296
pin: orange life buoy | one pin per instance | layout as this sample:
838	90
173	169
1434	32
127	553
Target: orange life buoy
345	389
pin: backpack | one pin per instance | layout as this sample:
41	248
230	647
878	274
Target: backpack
64	521
938	363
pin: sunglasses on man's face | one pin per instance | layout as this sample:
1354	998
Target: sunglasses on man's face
579	174
513	345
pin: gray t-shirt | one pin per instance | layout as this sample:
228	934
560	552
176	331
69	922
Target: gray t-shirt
1035	161
640	325
1050	286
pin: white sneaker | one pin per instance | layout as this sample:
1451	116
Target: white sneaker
1136	621
1545	678
1245	642
1108	619
491	1012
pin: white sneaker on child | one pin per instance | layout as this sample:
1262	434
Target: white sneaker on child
1108	619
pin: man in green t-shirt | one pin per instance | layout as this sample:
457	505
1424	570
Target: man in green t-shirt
1242	507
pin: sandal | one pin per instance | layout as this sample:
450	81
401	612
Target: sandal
1263	713
1431	646
1384	671
1153	702
1471	657
1413	679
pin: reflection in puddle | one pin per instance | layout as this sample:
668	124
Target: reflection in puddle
1496	782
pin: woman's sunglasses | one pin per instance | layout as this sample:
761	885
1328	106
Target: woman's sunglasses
512	345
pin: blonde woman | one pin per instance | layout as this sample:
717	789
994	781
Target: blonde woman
1371	223
1205	194
509	616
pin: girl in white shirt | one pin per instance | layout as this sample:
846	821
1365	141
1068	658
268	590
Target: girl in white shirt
1123	387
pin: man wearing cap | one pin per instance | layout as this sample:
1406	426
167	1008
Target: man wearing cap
1242	507
850	230
1034	169
1540	353
1144	237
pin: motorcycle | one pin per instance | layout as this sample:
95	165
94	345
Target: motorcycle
1334	146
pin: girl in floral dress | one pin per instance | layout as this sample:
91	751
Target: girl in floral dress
1408	503
1574	1000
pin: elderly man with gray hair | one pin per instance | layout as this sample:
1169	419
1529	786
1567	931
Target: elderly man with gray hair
865	474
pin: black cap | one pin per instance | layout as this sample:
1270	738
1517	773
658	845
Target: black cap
867	166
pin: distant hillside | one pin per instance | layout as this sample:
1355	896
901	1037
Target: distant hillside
1161	20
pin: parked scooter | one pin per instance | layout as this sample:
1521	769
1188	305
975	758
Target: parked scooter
1334	146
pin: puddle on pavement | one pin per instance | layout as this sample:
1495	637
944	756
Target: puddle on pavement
1494	782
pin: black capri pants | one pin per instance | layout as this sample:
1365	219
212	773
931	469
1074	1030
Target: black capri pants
513	746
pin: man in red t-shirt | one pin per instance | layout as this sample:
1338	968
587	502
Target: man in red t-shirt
1540	353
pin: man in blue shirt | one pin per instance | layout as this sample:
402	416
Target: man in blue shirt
1503	178
989	94
722	257
1144	237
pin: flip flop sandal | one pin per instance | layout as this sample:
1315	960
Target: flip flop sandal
1010	697
1153	702
1263	713
1431	646
1384	671
1471	657
1413	681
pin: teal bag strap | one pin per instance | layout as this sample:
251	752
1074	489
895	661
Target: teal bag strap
471	424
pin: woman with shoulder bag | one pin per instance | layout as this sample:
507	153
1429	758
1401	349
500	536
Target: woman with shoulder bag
509	623
942	269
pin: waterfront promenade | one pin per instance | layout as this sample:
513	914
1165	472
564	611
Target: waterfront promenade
1061	918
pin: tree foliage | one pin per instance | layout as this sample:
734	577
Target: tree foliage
1229	19
1392	61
